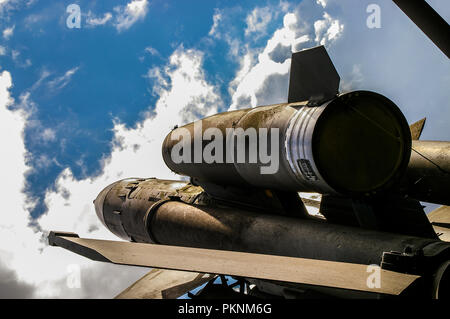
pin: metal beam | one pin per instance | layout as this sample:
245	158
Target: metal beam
429	21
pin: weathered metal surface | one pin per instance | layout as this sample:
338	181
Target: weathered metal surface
417	128
208	225
313	76
428	174
164	284
264	201
358	143
268	267
388	213
176	223
129	201
440	219
441	282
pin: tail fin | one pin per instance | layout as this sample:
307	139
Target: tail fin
417	128
313	76
440	219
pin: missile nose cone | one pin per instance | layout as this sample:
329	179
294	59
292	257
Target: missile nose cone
99	203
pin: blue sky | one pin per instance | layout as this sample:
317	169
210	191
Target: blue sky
81	108
109	75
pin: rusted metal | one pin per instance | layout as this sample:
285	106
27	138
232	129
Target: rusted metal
213	226
428	174
357	144
417	128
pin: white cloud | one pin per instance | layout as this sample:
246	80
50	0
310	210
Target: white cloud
43	161
40	134
9	6
152	51
48	135
41	271
216	19
15	54
8	32
62	81
184	96
263	76
378	60
130	14
44	74
327	29
28	267
4	5
354	80
258	20
94	21
2	50
15	237
323	3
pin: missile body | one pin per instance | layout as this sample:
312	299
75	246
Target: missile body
428	174
356	144
178	213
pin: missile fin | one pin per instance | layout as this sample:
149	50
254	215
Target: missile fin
312	272
313	77
440	219
417	128
164	284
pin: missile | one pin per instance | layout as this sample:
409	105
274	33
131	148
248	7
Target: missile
428	175
178	213
356	144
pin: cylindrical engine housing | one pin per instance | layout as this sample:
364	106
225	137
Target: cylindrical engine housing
358	143
428	175
173	213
